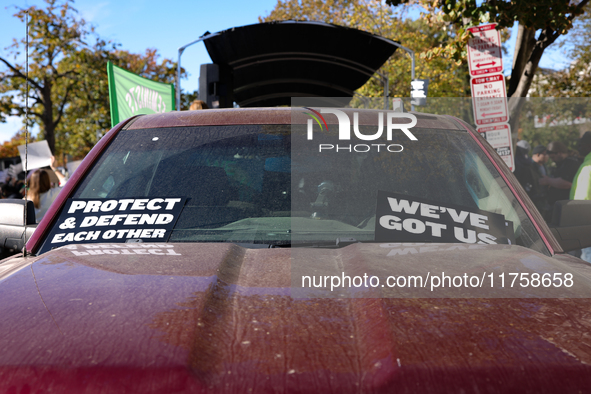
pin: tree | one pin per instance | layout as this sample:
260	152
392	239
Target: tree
10	148
548	18
67	78
55	38
575	80
87	117
561	98
447	79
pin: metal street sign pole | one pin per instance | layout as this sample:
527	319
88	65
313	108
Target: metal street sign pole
412	70
487	83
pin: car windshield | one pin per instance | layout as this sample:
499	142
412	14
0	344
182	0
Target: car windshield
252	184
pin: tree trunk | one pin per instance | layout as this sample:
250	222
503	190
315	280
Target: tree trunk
528	59
517	99
523	80
524	46
48	122
529	70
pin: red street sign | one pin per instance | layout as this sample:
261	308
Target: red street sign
490	99
484	50
499	137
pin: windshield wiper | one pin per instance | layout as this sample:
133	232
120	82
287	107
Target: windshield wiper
340	242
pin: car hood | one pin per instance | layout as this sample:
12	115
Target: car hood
224	318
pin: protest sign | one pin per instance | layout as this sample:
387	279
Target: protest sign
115	220
38	155
401	218
14	170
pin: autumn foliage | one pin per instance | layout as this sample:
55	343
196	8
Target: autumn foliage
10	148
67	77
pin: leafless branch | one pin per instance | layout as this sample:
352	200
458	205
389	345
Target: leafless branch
18	74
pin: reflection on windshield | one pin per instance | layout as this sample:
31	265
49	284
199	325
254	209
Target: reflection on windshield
262	184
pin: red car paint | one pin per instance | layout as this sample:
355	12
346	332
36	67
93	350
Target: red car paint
211	318
219	318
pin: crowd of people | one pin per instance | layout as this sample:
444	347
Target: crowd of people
43	186
568	179
13	186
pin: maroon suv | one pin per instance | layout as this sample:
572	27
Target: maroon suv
296	251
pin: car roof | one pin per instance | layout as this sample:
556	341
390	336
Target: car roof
277	115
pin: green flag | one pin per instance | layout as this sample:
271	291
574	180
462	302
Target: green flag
131	95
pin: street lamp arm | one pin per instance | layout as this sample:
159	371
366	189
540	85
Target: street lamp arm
385	81
412	70
412	56
178	66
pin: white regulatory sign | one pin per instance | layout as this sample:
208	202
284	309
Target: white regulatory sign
499	137
484	50
490	99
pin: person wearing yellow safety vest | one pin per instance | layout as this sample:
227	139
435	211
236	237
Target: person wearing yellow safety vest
581	188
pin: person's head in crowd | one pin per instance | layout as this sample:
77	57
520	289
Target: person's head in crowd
540	154
198	104
39	183
557	151
584	144
523	147
6	190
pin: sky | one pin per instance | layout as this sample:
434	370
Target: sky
166	26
